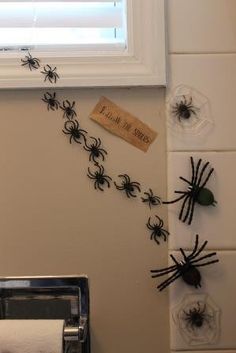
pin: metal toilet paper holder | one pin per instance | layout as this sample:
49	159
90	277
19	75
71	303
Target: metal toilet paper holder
50	298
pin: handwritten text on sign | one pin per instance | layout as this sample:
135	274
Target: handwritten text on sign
123	124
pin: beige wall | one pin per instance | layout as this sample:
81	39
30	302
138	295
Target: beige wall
52	221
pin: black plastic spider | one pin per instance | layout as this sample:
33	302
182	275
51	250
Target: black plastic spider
50	74
184	108
157	230
95	150
100	179
72	128
151	199
197	316
196	192
69	112
50	99
130	187
186	268
32	63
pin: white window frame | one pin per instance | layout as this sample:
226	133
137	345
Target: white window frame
142	64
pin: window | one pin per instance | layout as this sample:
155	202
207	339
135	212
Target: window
92	42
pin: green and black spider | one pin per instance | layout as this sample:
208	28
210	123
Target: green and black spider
195	193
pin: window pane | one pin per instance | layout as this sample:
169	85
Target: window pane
28	24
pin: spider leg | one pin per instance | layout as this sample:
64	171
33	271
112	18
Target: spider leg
207	263
193	169
195	247
197	252
197	170
188	209
184	255
191	212
119	187
207	178
187	197
166	283
173	201
99	187
164	273
148	224
198	182
165	270
203	257
174	259
154	236
187	181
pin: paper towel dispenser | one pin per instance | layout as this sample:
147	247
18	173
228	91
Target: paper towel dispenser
62	298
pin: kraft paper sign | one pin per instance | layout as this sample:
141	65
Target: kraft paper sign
123	124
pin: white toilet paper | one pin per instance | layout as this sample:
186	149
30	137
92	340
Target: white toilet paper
31	336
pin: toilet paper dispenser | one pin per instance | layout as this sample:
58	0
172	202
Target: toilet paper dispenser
51	298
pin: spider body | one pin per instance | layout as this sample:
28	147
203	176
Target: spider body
50	99
71	127
195	193
197	316
157	230
187	269
50	74
184	108
100	179
94	149
68	109
130	187
151	199
32	63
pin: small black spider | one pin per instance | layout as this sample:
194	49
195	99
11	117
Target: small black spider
50	74
130	187
186	268
157	230
151	199
197	316
196	192
100	179
95	150
68	109
50	99
72	128
32	63
184	108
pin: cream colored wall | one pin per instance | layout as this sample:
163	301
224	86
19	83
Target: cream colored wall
53	222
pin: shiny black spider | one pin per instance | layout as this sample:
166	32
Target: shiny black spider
50	99
156	230
197	316
50	74
130	187
151	199
72	128
100	179
196	192
69	112
184	108
95	150
32	63
186	268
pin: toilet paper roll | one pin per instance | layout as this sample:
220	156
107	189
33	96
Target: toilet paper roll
31	336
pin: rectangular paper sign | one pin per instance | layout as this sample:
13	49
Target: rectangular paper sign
123	124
